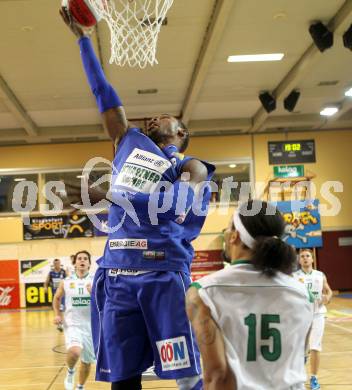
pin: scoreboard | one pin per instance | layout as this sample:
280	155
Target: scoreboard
291	152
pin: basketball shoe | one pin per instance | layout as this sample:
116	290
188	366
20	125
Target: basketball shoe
69	382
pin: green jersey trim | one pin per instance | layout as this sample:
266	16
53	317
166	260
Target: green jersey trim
241	261
196	285
307	273
78	278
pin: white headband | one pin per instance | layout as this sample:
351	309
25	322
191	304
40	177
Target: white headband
245	237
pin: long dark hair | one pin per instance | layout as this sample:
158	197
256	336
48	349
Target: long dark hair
270	254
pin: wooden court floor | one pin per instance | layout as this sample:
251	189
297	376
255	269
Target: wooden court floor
32	352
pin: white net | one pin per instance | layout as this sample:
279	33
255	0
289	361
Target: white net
134	27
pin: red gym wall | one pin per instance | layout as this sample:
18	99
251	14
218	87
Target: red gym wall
336	261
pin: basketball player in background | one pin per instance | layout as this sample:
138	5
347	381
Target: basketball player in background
76	290
55	276
251	318
138	300
316	282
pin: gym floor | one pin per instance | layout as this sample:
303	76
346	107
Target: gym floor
35	352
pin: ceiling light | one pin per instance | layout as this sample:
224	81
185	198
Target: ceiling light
329	111
19	179
256	57
232	165
349	92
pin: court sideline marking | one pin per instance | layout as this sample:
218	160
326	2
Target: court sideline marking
56	376
26	368
340	327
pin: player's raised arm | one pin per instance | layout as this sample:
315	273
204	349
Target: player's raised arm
108	102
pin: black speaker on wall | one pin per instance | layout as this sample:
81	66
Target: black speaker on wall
268	101
322	37
291	101
347	38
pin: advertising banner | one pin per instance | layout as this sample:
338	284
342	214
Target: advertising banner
303	227
35	295
66	226
205	262
9	285
34	271
287	171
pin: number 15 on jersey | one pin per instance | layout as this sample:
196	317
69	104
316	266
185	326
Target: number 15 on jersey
267	332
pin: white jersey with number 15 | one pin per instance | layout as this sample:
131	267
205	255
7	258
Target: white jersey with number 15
264	322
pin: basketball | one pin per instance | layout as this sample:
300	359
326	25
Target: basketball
82	12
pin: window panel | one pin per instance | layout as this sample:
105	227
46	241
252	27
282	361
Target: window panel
231	178
69	191
8	184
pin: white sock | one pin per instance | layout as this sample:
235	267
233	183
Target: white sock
70	370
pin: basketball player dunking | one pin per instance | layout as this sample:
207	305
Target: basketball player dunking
138	300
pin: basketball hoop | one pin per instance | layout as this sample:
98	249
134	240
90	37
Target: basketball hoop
134	27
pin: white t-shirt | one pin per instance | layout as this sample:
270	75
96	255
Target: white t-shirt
77	300
264	322
314	282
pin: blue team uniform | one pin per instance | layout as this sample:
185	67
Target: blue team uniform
54	281
138	297
55	278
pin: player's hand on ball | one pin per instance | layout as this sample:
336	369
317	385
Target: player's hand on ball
57	320
70	22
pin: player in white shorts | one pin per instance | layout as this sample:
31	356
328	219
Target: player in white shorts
315	281
249	318
76	321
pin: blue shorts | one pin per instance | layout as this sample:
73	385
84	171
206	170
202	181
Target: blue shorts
140	320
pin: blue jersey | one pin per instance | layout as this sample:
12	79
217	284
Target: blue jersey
135	242
55	278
